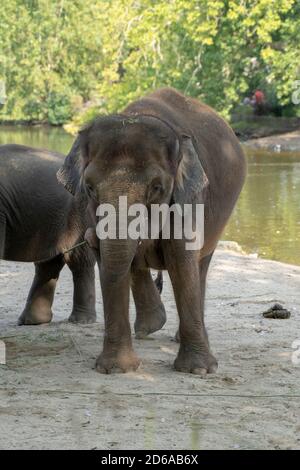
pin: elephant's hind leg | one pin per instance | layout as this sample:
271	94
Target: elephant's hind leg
38	308
82	265
150	311
2	234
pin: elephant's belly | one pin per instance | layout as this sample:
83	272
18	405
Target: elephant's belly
29	247
28	253
150	255
155	262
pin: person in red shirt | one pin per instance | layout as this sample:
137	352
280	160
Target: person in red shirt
259	102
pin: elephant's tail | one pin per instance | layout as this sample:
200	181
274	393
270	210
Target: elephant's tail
159	281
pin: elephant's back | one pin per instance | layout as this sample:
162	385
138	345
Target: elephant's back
213	138
17	159
218	149
28	175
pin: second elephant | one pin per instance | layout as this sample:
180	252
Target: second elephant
39	220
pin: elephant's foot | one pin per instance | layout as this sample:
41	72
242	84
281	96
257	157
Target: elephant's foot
32	316
124	360
200	362
82	316
150	322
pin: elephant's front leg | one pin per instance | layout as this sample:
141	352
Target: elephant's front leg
188	280
118	354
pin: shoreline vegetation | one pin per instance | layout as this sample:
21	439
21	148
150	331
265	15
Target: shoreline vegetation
64	62
277	134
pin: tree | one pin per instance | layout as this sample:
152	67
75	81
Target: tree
72	59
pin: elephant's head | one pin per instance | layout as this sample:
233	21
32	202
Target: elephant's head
141	157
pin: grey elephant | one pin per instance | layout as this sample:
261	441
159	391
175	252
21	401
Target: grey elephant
39	220
163	148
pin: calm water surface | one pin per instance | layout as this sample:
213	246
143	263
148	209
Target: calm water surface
266	220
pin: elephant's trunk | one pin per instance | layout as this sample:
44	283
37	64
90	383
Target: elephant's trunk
116	257
117	253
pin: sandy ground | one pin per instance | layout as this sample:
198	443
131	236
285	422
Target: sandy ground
51	398
289	141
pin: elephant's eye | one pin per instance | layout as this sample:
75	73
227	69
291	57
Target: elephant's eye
155	192
90	191
157	188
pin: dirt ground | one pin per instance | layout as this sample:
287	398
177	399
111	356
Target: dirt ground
51	398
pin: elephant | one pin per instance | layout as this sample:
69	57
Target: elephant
39	221
163	148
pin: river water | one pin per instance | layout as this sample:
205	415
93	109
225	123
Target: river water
266	220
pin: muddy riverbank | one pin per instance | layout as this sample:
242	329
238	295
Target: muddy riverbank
288	142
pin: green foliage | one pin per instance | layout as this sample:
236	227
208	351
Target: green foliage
70	59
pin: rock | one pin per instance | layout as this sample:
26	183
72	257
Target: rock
277	312
230	246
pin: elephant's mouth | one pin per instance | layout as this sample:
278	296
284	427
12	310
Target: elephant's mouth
91	238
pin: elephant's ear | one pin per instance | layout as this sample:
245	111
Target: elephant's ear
191	181
69	174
